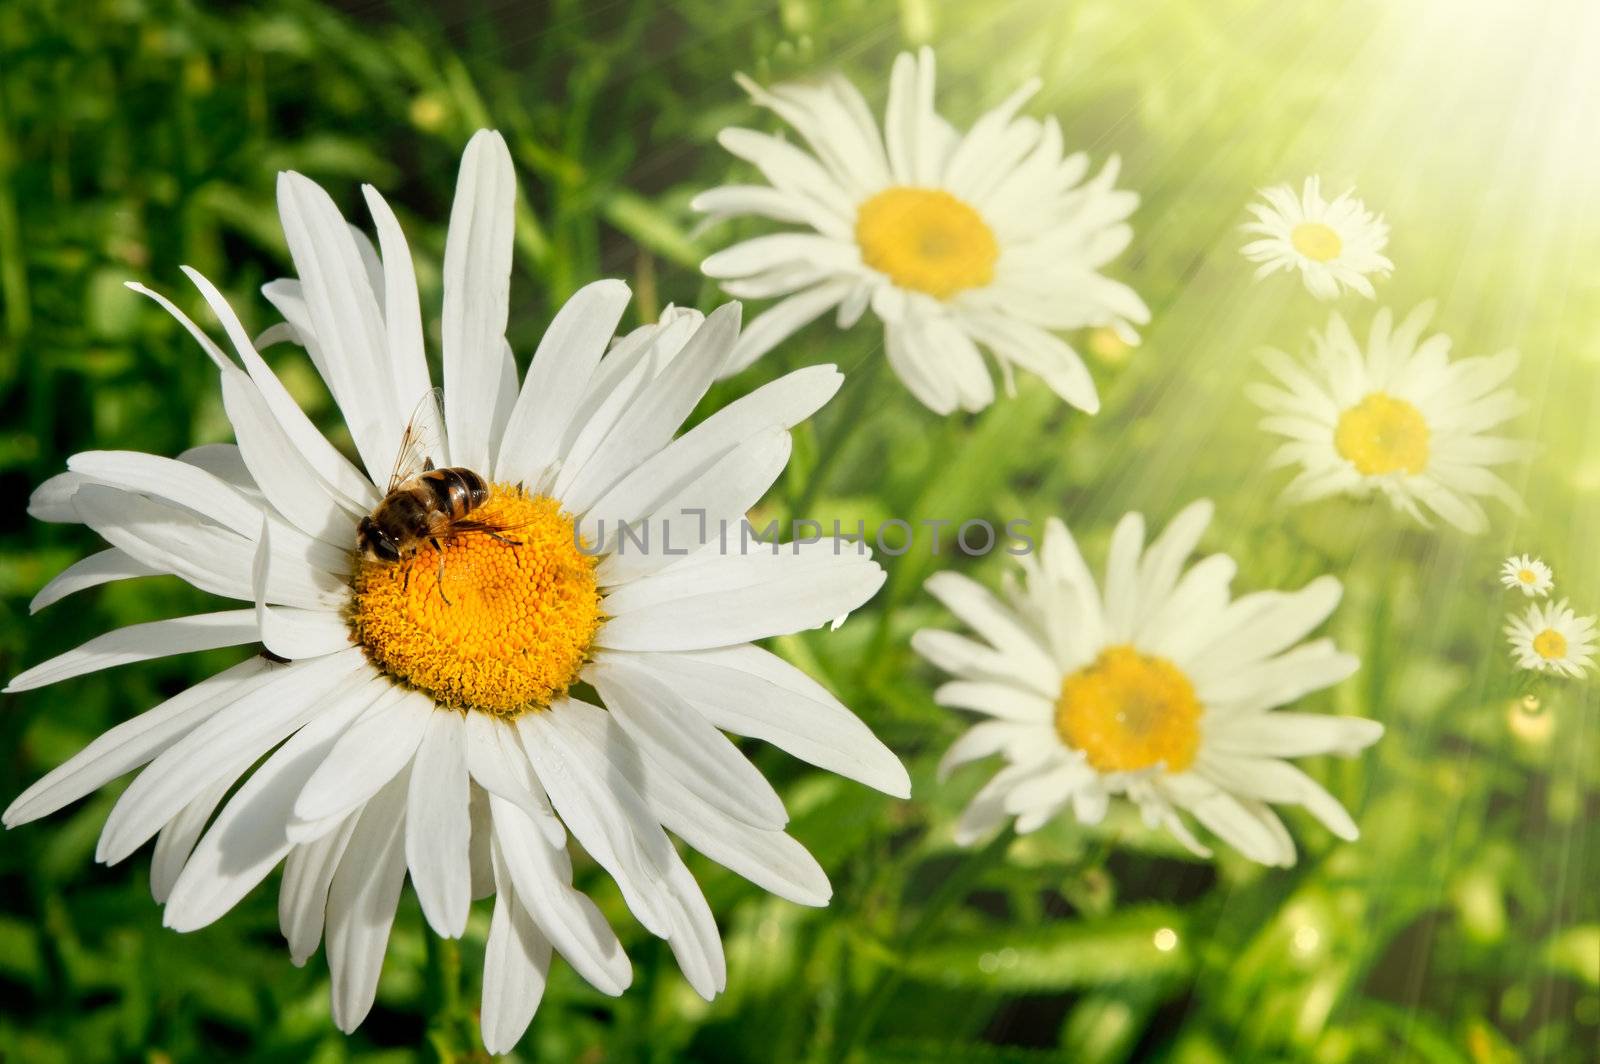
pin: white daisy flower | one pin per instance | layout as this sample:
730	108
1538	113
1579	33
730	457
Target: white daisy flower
1160	687
1550	637
1527	574
1398	418
415	715
1332	244
989	239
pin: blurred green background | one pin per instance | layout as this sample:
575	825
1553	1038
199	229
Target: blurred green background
136	135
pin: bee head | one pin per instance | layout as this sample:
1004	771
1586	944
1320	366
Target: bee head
375	543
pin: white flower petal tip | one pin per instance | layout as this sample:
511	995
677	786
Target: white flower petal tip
1058	667
1020	220
1393	417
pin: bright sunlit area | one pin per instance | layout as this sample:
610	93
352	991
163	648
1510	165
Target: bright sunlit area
809	532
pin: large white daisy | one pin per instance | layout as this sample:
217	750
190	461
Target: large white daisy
1157	685
1333	244
1396	417
407	731
989	239
1551	637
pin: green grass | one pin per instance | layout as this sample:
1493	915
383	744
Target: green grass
138	135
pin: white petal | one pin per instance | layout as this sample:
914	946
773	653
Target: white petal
290	633
562	367
402	316
255	723
345	316
361	903
655	416
542	877
666	727
437	826
769	859
477	294
141	642
103	567
603	812
516	962
497	764
375	749
303	899
732	599
134	742
248	840
175	842
783	319
748	691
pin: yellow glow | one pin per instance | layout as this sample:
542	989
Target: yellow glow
1550	645
927	240
1382	434
1316	241
519	621
1129	711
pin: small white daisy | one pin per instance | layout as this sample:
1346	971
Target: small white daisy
1527	574
1331	244
990	239
1550	637
414	716
1398	417
1158	685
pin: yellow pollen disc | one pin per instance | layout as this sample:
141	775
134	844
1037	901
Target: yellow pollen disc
1128	711
520	617
927	240
1527	576
1316	241
1382	434
1550	644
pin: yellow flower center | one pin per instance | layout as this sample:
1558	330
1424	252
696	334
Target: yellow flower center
927	240
1550	644
1316	241
515	620
1382	434
1128	711
1527	576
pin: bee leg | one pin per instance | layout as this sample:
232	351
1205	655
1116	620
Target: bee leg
439	581
507	540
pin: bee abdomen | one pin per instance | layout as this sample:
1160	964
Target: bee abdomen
457	490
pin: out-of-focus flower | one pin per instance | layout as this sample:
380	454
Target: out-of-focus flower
990	239
1333	245
1550	637
1157	685
1527	574
1397	417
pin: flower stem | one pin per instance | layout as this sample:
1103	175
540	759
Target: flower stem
955	887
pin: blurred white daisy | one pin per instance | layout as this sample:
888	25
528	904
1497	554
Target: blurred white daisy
991	239
1550	637
1158	685
1397	417
406	731
1332	244
1527	574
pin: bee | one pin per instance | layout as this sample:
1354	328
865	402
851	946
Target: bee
425	504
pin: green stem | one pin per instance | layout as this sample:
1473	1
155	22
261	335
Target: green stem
444	985
861	389
950	892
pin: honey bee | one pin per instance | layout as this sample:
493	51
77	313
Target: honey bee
424	504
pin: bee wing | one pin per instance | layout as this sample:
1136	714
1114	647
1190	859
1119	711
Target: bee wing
422	444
